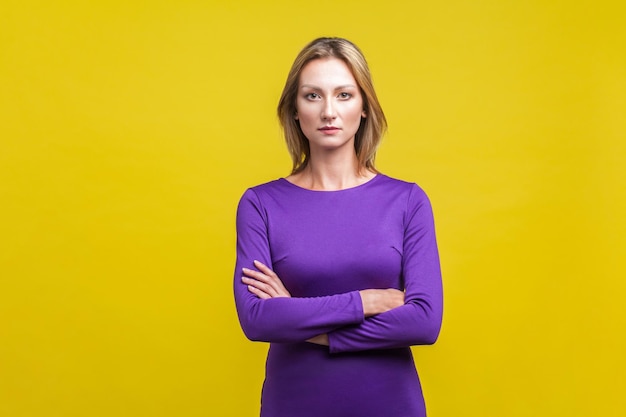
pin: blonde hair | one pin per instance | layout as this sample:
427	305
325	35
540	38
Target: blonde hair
372	127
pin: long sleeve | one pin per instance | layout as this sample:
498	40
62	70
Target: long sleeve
417	322
281	319
326	246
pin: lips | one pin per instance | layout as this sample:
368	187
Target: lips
329	129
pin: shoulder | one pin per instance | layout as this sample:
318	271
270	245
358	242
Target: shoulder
266	193
263	189
411	198
409	190
268	186
406	198
251	204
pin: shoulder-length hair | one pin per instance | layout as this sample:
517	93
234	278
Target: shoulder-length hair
372	127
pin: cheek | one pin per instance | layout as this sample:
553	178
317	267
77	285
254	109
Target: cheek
302	107
306	121
356	111
305	118
307	114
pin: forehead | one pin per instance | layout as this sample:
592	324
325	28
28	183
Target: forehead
326	72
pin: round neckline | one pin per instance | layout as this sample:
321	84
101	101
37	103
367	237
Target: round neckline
371	180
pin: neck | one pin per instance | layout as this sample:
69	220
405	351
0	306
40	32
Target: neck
332	172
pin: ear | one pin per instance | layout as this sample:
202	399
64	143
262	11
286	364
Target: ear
295	116
363	114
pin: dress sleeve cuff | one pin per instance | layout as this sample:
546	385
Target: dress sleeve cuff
334	342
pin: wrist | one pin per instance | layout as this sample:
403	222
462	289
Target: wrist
368	302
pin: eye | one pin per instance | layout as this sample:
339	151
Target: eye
312	96
345	95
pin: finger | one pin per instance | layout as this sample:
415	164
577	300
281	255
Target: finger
266	275
256	274
258	292
264	268
272	280
275	281
262	276
261	286
269	280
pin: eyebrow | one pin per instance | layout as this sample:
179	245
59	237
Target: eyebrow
314	87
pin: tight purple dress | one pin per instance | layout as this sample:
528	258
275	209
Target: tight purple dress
326	246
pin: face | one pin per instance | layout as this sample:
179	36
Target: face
329	104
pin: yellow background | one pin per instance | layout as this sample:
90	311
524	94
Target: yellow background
129	130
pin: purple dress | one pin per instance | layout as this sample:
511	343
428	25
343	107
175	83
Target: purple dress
326	246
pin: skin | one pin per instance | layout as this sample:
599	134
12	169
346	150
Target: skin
329	109
328	95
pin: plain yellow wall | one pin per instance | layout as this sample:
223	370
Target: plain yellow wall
129	130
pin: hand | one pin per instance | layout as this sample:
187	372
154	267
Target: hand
321	339
380	301
264	283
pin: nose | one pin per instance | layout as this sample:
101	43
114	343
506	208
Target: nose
328	112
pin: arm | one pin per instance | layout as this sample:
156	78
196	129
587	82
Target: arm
418	321
281	319
265	284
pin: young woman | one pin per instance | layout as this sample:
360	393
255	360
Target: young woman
337	264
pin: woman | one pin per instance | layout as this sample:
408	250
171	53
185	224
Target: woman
337	264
